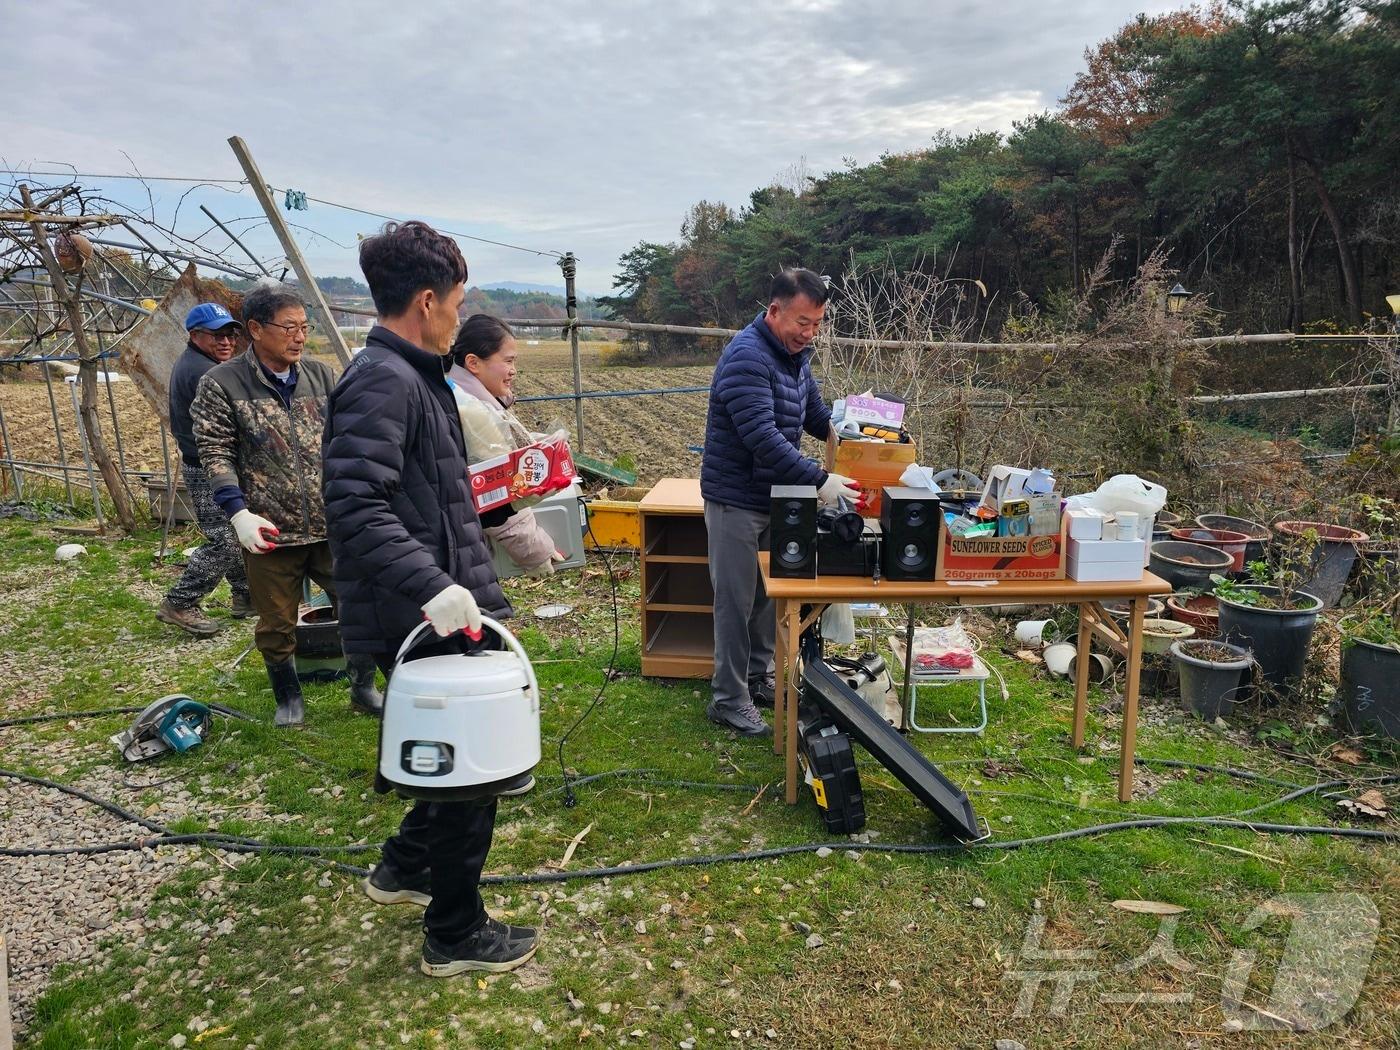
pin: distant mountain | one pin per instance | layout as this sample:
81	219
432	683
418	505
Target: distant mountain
520	286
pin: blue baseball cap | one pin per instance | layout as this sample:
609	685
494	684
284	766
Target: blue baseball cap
209	316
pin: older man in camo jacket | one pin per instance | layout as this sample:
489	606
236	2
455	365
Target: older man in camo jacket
257	423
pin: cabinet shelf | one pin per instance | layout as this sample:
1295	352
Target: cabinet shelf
677	606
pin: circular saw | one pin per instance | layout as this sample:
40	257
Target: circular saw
172	723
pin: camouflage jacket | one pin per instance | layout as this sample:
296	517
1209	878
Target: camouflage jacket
249	437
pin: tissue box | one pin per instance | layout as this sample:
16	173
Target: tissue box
1004	483
1105	561
1085	523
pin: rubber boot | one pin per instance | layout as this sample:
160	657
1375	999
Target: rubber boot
364	697
287	690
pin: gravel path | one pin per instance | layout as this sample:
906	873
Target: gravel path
57	909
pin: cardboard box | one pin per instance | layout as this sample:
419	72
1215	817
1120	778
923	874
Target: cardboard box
1000	557
1104	571
1004	483
1088	552
873	465
535	470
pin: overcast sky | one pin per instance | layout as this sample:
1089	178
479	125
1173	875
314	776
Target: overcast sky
569	126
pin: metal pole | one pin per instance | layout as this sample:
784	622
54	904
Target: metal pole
170	491
58	432
106	374
10	455
234	238
570	267
309	288
87	456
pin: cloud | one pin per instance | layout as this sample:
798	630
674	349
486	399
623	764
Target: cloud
583	125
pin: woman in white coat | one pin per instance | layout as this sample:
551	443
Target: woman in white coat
483	369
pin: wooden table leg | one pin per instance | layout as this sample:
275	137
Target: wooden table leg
794	632
1128	744
1081	674
780	673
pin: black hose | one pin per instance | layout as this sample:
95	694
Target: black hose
570	799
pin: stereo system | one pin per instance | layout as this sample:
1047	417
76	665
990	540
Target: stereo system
836	541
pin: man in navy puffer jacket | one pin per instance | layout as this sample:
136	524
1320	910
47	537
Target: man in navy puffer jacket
762	398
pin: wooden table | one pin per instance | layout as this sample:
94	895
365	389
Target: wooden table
789	596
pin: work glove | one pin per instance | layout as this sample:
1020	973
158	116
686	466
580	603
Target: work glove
834	487
547	567
453	609
253	531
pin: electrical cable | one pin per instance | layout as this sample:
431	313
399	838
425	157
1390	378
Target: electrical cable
570	799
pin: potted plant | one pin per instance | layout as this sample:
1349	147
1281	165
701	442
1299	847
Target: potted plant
1199	610
1369	691
1186	564
1258	535
1322	555
1274	618
1211	675
1376	572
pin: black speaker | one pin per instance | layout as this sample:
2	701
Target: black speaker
909	522
792	525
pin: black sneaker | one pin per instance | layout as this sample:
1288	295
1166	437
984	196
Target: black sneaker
521	785
384	885
494	948
762	691
745	720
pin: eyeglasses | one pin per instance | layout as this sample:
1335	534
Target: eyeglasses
224	334
291	329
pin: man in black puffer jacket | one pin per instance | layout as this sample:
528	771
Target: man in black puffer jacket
407	546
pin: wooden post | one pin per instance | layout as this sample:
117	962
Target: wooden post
570	267
87	367
310	288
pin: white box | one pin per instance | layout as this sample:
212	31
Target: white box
1098	551
1004	483
1086	523
559	515
1104	571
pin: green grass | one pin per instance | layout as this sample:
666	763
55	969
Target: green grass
303	959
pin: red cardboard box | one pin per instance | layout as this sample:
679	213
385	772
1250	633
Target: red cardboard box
1000	557
535	470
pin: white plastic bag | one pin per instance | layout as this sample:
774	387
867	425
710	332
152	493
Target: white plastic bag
917	477
947	648
1131	493
838	625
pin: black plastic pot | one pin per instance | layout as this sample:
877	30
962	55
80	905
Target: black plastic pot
1209	687
1187	565
1369	692
1323	570
1278	637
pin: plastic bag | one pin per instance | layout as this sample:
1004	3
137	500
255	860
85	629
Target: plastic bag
838	625
947	648
1127	492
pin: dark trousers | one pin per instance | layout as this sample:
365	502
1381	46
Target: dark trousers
746	624
219	555
449	839
275	580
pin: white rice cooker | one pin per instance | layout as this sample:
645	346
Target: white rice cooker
462	725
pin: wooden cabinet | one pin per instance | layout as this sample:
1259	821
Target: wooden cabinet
678	626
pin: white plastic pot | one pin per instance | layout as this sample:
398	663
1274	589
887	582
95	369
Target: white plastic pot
1158	635
1058	658
1037	632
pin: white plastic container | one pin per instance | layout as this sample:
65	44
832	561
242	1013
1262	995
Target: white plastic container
462	725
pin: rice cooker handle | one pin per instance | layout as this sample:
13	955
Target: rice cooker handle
511	642
532	686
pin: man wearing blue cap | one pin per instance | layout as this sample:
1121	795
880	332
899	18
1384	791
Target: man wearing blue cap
214	337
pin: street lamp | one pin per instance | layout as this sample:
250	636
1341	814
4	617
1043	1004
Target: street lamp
1176	299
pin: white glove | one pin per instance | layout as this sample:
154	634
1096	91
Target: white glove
547	568
836	486
453	609
253	531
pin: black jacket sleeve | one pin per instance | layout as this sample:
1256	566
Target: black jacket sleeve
365	438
